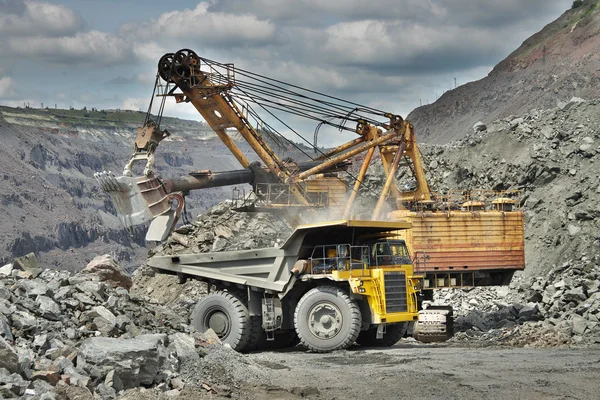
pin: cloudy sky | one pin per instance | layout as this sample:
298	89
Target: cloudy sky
389	54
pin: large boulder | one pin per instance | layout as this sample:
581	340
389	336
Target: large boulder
135	362
184	347
32	288
109	271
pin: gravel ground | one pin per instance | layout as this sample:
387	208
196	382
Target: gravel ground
407	370
432	371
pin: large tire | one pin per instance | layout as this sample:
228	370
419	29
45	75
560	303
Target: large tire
393	333
326	319
227	315
257	334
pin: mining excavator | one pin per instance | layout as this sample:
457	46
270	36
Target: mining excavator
456	239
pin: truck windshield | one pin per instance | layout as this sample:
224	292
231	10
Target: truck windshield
390	253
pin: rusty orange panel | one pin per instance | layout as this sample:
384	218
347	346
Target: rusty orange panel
462	240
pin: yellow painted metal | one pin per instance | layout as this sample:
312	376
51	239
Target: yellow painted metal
322	191
209	92
326	191
387	158
370	283
207	107
390	135
422	192
221	113
341	148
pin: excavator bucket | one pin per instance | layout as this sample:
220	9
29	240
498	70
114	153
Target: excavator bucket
139	200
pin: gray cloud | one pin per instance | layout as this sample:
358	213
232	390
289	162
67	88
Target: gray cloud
15	7
202	24
27	18
392	37
91	48
54	34
430	12
120	80
388	37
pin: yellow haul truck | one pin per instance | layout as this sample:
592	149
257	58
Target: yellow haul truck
331	284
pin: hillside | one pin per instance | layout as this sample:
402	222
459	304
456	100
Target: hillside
547	70
49	201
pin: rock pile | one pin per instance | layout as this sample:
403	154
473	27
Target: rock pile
165	292
561	308
221	228
569	297
86	332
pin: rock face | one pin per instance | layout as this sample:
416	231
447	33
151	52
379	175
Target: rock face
49	201
533	76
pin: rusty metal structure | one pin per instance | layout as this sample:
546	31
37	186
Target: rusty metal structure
467	245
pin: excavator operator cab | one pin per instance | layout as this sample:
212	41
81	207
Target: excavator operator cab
390	253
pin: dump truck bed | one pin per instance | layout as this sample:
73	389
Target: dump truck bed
269	268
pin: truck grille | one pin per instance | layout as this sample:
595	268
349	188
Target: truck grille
395	292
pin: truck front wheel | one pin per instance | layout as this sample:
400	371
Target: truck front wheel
326	319
227	315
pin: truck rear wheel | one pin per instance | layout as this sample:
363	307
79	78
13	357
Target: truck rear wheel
393	333
227	315
326	319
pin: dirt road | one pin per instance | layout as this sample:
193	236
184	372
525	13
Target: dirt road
432	371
